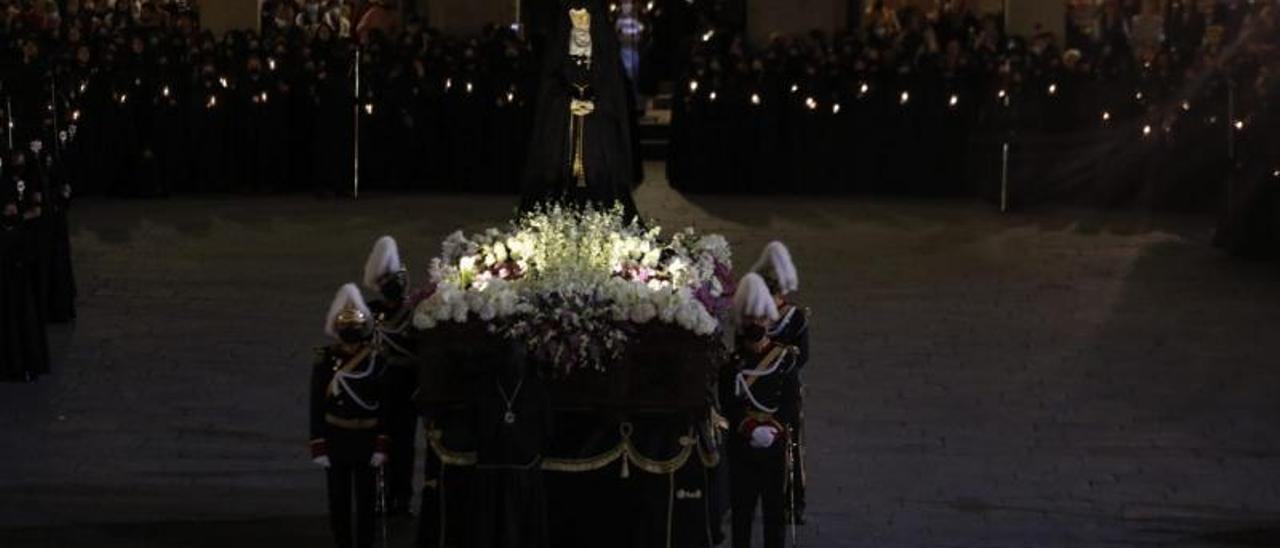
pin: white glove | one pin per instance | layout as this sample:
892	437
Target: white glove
378	460
763	436
322	460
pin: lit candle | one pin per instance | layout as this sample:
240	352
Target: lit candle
953	101
835	109
1053	89
1146	130
1106	116
712	96
811	103
693	86
902	99
755	99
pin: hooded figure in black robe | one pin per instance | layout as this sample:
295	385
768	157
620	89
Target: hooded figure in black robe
24	349
580	149
62	281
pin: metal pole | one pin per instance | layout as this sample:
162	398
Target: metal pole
1004	13
1231	119
790	486
8	109
355	188
1231	142
382	503
53	96
1004	178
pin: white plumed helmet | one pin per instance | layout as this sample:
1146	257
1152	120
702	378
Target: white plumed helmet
383	260
347	303
753	300
775	265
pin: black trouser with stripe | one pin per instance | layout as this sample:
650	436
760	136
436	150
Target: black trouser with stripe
758	476
350	483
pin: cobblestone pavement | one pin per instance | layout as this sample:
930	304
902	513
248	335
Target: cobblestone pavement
1048	378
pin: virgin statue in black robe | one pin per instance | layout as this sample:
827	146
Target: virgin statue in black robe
580	149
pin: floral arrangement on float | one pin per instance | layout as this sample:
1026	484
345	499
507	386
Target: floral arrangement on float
577	285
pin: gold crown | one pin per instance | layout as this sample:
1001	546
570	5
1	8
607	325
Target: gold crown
581	18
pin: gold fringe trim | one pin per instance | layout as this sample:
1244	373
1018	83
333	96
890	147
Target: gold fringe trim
624	452
447	457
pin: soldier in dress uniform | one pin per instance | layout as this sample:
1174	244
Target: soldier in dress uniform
348	424
758	390
385	275
792	329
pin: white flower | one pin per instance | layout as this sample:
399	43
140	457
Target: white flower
667	303
467	264
707	325
488	312
456	245
643	312
582	258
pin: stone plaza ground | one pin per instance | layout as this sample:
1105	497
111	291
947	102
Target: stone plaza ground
1043	378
